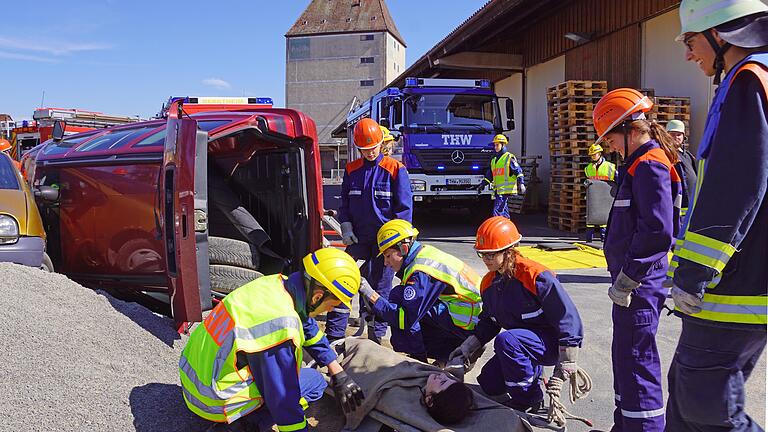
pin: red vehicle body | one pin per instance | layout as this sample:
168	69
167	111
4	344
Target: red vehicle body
133	213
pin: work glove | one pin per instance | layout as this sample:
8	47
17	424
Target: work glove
687	303
465	350
348	237
566	363
456	368
520	188
621	290
366	290
347	392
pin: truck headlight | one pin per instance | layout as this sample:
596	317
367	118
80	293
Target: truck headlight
418	185
9	230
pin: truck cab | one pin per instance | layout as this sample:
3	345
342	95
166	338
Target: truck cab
158	206
444	130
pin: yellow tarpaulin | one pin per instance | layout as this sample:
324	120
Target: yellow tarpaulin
583	257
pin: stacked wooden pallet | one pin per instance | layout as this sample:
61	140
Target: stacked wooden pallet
529	202
571	132
666	108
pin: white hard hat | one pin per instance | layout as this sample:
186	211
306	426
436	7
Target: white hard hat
699	15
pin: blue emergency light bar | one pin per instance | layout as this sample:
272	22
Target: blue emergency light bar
475	167
447	82
411	82
441	167
393	91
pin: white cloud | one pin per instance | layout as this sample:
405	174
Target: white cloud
51	46
217	83
25	57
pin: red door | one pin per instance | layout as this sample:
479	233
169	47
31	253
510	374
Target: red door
184	214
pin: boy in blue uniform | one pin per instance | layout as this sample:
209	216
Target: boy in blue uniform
375	189
504	176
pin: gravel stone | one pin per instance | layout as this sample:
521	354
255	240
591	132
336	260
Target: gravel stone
80	360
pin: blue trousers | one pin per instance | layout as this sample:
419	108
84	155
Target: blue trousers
311	386
377	274
635	357
436	334
591	232
501	206
707	376
515	368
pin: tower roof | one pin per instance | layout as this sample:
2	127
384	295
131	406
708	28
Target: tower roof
345	16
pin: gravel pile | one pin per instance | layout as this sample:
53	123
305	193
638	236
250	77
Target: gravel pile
80	360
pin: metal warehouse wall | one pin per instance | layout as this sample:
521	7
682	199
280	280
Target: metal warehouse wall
615	58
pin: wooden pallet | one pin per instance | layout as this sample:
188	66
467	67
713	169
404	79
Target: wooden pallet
672	100
568	151
566	224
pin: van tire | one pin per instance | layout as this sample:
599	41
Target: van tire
47	264
225	278
231	252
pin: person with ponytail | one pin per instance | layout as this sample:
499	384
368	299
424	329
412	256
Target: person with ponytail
641	225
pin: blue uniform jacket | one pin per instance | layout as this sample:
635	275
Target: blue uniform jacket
274	370
731	204
534	299
416	299
643	219
373	193
514	168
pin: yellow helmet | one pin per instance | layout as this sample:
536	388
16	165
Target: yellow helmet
500	138
595	148
336	271
393	232
387	134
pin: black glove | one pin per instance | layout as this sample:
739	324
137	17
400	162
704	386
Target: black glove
348	393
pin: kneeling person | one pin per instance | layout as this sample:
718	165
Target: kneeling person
438	303
244	359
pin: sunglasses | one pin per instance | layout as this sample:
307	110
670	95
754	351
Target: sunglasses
488	255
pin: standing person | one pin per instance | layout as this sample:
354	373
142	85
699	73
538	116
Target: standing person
721	280
504	176
641	226
438	302
686	168
541	324
375	190
598	169
243	361
387	147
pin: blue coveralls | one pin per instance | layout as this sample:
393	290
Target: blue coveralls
429	330
537	316
727	227
641	226
501	201
274	370
372	193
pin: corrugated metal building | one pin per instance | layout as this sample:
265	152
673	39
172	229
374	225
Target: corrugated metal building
526	46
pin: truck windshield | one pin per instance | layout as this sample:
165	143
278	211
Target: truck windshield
447	112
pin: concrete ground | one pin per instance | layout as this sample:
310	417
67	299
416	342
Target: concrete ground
454	232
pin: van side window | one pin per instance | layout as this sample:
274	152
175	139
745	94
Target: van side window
114	140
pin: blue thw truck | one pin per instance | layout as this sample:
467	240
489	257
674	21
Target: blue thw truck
444	130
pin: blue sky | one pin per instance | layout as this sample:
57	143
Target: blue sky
127	57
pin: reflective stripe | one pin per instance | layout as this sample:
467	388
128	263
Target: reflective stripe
304	404
735	309
221	409
314	339
355	192
382	194
524	383
622	203
643	414
294	427
443	269
207	390
267	327
401	319
678	201
341	310
533	314
617	397
706	251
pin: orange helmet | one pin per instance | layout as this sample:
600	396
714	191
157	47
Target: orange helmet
616	107
368	134
4	145
495	234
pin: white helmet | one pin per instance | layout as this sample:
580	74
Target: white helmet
742	23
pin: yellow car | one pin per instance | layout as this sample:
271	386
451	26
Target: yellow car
22	237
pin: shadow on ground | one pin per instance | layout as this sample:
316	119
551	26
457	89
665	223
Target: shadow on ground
161	407
157	325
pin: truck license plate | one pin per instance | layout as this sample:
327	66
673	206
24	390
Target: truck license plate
458	181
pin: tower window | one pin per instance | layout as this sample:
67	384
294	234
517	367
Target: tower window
367	37
366	83
366	59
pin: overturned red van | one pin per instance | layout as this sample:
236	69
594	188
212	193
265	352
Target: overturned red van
191	205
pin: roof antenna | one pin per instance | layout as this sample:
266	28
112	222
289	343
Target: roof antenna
42	100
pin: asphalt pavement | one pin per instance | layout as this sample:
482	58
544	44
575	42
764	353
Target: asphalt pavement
453	232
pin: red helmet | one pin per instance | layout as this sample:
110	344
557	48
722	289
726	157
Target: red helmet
495	234
615	107
4	145
368	134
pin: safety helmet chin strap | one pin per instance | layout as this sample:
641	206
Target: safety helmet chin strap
719	50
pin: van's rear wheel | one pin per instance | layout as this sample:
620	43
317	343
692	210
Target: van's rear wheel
231	252
226	279
47	264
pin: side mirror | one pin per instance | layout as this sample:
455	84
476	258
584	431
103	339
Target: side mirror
384	122
47	193
510	107
59	126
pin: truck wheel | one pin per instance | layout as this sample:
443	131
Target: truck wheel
47	264
232	252
225	278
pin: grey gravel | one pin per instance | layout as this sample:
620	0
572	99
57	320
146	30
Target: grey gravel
80	360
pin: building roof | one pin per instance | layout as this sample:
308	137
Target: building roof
345	16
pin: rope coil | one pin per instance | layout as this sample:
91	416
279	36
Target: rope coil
580	384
